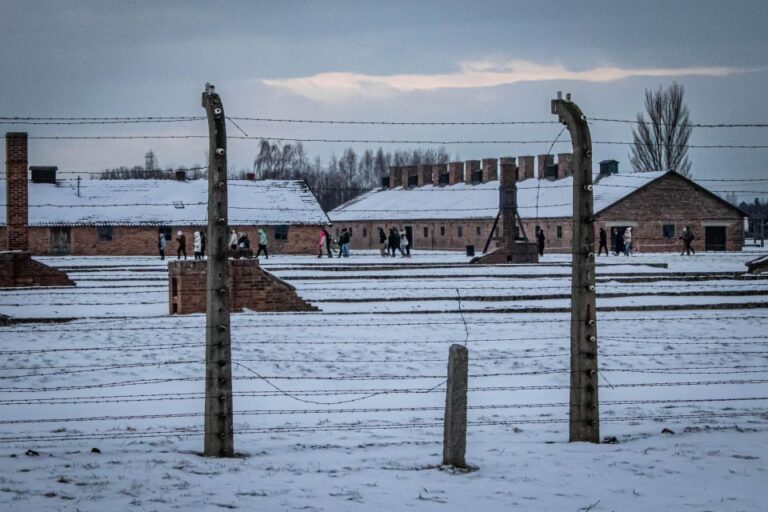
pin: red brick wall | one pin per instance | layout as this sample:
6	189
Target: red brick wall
249	287
16	194
672	200
142	240
19	269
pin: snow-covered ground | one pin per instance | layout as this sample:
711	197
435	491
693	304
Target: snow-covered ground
342	409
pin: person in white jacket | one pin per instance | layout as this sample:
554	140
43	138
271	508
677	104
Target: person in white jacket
628	241
198	246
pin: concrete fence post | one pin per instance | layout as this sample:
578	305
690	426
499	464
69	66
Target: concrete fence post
455	433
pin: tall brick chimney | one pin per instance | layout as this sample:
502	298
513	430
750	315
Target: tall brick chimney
490	172
437	171
544	162
455	172
424	172
526	166
16	192
410	176
564	165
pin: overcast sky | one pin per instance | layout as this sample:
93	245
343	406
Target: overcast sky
393	61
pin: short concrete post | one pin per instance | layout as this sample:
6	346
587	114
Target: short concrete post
455	436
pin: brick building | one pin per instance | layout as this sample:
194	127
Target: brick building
124	217
451	206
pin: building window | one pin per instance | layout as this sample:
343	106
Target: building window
281	232
668	231
559	231
442	230
459	231
104	233
167	232
365	233
426	232
478	230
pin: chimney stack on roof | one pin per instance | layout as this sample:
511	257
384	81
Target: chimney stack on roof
424	173
526	168
608	167
439	174
395	176
544	162
490	170
472	172
455	172
251	176
564	165
410	176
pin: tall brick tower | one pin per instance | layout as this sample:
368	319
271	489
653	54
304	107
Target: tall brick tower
16	191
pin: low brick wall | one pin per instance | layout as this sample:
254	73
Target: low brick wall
18	269
250	287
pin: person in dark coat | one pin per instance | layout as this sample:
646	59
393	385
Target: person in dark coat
541	239
687	237
328	242
619	242
202	244
182	245
603	242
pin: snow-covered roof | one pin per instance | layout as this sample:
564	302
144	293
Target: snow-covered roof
163	202
535	199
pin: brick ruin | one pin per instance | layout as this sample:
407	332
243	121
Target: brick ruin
250	287
17	268
517	245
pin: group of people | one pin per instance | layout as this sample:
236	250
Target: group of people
181	249
395	241
241	242
622	241
236	241
326	241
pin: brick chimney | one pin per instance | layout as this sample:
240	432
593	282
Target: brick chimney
564	165
250	176
410	176
439	170
16	192
490	170
471	167
526	166
544	162
455	172
395	176
424	172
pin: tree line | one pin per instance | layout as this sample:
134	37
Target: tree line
334	182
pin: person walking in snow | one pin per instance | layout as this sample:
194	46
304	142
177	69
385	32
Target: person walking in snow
161	246
404	245
198	246
407	243
619	242
628	242
321	242
391	242
344	240
541	239
383	248
262	243
328	242
603	242
687	238
182	245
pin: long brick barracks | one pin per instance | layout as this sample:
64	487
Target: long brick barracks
444	206
455	205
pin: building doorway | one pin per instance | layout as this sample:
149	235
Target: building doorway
60	241
714	238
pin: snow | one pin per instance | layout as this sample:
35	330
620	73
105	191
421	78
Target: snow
126	378
535	198
167	202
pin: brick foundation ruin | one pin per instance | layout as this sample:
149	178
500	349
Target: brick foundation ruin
17	269
250	287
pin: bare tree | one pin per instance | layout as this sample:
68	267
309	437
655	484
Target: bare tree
661	143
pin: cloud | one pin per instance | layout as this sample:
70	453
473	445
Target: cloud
478	74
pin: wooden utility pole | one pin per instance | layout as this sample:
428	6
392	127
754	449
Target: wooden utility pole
584	423
219	437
